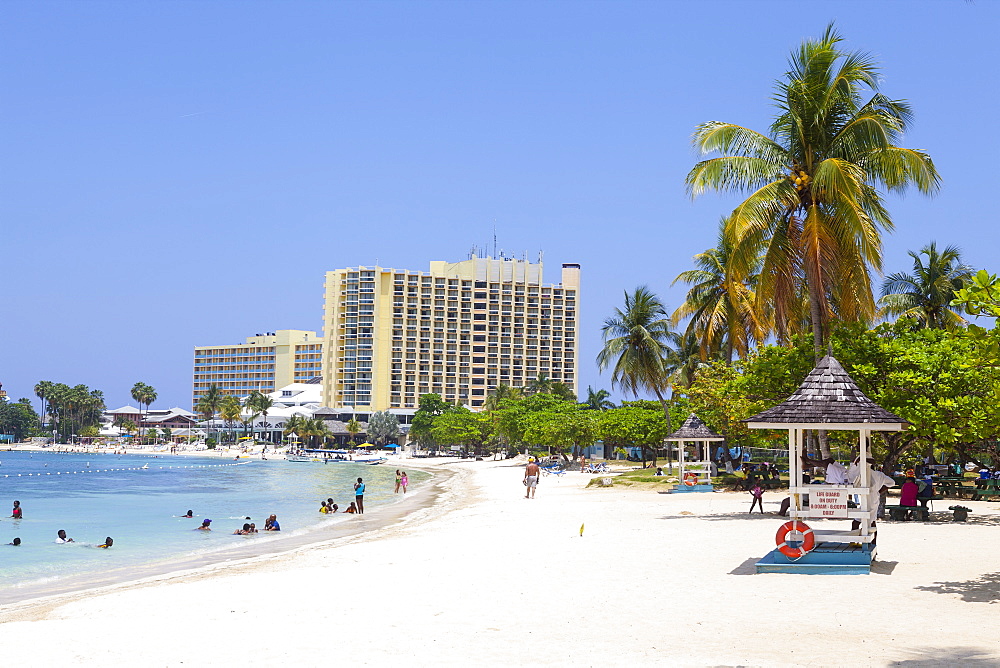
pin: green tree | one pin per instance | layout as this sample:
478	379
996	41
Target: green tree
499	393
43	390
980	296
422	426
637	341
143	394
209	403
721	305
540	384
18	419
459	426
815	211
925	296
598	400
383	426
563	427
230	410
353	428
633	426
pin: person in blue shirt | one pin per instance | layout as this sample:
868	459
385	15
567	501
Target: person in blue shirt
271	524
359	495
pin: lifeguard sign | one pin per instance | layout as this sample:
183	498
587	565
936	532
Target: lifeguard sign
828	399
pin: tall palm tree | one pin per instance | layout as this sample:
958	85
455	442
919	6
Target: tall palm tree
598	400
636	343
815	211
684	359
499	393
721	303
143	394
259	403
927	293
230	410
208	404
43	388
540	384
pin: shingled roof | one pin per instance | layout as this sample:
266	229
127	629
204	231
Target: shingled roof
694	429
827	395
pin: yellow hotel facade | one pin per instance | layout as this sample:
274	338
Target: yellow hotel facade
458	330
265	362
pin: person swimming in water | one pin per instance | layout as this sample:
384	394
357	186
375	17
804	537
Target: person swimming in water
272	524
204	526
242	532
353	508
108	542
61	537
188	514
16	542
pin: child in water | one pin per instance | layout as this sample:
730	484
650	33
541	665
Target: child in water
352	508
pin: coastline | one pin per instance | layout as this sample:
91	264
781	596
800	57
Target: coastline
344	530
577	576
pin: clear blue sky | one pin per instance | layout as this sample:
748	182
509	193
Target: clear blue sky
183	173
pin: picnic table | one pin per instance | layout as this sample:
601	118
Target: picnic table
986	490
953	487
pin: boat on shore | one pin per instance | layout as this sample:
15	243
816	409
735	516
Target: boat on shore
334	457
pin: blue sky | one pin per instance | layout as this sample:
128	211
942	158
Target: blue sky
183	173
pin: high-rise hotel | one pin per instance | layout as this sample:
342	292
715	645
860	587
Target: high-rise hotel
264	362
457	330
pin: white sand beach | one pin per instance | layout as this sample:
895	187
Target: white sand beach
487	577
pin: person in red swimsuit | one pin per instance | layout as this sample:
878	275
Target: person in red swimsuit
17	510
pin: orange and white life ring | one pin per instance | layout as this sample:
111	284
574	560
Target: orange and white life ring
690	479
690	483
808	539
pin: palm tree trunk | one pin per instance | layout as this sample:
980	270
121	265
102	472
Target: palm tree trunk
666	412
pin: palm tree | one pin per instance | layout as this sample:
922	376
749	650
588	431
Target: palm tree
353	427
684	359
540	384
209	403
927	293
143	394
598	399
815	212
636	343
43	389
295	425
499	393
230	410
721	302
562	391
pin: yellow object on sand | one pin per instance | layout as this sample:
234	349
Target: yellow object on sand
581	529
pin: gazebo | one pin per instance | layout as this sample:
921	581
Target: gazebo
696	431
827	399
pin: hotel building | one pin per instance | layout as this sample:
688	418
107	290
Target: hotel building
457	330
264	362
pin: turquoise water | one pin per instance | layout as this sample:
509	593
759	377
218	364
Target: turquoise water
94	496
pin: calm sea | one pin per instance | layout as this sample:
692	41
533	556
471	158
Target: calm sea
138	501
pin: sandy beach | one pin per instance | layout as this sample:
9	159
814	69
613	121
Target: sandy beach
485	576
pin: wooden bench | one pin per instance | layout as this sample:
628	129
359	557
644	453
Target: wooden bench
898	512
980	494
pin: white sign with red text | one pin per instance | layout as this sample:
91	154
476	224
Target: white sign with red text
827	502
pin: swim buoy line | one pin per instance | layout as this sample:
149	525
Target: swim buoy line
808	539
135	468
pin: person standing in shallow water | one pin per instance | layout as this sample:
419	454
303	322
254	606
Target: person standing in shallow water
359	496
404	481
399	480
16	513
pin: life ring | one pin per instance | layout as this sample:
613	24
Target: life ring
689	482
808	539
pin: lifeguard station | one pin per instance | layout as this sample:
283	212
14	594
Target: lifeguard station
827	399
695	476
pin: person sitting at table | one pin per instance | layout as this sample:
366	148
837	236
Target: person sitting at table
925	491
908	494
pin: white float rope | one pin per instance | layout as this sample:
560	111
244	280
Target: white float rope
134	468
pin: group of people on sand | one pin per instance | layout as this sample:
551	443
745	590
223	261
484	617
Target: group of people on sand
248	529
18	514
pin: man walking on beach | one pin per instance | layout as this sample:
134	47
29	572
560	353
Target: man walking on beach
531	472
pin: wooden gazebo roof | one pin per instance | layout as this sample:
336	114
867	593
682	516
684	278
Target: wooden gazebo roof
694	429
828	396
